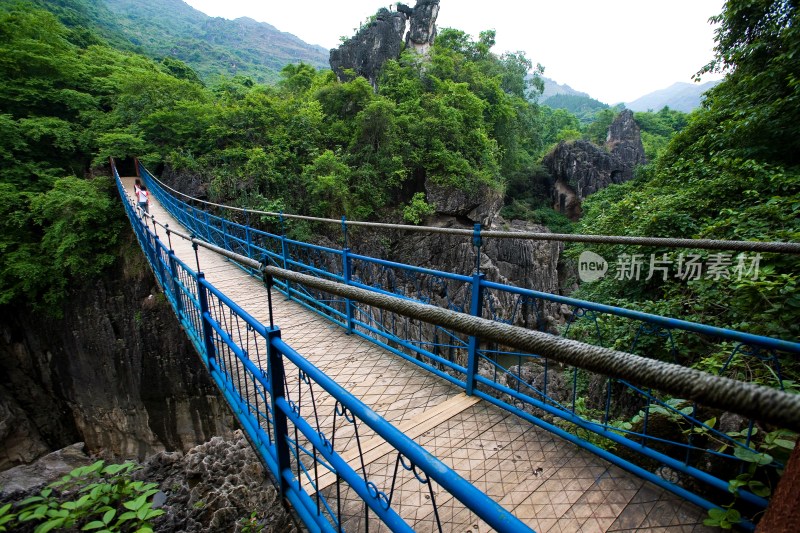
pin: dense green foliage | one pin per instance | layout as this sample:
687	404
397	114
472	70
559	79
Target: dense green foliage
55	226
732	173
312	144
658	129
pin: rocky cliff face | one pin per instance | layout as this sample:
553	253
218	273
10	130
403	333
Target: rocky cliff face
116	372
580	168
382	39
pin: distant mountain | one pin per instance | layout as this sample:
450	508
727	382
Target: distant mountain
680	96
552	88
210	45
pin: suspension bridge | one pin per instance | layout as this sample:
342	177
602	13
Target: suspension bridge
380	399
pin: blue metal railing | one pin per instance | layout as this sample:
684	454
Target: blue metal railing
290	409
660	432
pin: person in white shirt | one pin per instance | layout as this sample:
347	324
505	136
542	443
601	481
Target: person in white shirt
142	196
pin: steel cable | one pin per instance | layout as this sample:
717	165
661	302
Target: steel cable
701	244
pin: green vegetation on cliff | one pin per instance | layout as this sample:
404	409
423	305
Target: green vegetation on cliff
731	173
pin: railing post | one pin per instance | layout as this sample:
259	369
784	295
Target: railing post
205	316
208	228
225	234
176	288
162	277
247	234
346	274
475	308
285	255
280	426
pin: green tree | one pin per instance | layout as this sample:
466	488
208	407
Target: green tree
731	173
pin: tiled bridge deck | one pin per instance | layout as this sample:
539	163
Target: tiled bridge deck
549	483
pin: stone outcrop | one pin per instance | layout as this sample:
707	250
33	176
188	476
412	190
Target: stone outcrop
479	206
422	27
217	486
522	263
21	481
366	52
624	140
580	168
382	39
116	372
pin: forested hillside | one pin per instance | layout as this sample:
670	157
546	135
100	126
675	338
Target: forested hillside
212	46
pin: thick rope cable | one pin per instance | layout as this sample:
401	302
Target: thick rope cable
660	242
750	400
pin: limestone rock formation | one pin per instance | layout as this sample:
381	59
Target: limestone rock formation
21	481
624	140
422	30
382	39
368	50
522	263
580	168
219	485
479	206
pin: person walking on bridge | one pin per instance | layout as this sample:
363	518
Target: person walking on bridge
143	197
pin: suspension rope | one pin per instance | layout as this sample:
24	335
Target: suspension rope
753	401
662	242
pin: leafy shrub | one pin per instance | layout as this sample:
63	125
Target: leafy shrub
98	497
417	209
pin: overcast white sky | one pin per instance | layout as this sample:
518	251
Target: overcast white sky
615	50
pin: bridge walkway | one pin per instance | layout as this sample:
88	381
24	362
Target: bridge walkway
547	482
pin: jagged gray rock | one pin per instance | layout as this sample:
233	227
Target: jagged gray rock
367	51
624	140
219	485
580	168
422	30
479	206
21	481
382	39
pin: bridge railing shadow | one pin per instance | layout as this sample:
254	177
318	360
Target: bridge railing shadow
687	448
